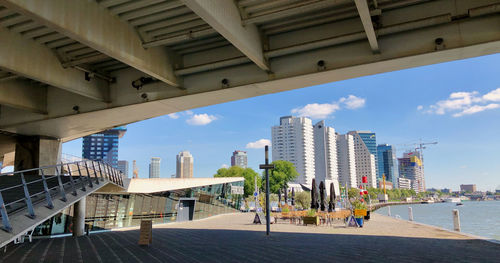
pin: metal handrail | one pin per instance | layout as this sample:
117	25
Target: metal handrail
89	176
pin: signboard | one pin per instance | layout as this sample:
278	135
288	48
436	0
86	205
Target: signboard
237	190
255	194
259	218
359	212
146	232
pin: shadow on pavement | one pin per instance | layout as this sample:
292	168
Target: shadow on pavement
202	245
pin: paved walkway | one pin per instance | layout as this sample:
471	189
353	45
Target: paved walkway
230	238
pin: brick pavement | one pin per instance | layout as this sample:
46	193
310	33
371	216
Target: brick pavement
231	238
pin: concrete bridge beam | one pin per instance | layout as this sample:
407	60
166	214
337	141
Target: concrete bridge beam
224	17
34	151
31	60
92	25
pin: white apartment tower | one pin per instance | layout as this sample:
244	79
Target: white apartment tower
293	141
346	160
184	167
365	161
325	155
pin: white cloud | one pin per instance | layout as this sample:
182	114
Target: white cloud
188	112
258	144
420	107
493	95
352	102
476	109
322	111
201	119
224	166
316	111
173	116
465	103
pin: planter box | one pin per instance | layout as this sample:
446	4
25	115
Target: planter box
311	220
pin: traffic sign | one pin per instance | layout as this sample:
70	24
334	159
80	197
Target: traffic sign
255	194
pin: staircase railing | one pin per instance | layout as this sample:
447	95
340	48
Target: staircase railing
23	189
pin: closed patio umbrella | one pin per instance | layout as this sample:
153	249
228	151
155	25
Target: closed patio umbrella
314	196
331	204
286	195
322	195
293	196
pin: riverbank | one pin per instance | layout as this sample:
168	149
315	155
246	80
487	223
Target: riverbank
480	218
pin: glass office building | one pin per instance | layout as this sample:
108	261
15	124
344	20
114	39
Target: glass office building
107	211
370	140
103	146
387	163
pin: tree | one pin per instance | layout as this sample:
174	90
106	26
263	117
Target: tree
283	173
248	173
353	193
303	199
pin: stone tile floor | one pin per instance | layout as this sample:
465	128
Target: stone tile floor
231	238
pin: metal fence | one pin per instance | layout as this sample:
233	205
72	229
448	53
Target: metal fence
23	189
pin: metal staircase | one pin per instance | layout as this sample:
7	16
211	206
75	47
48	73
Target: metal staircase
29	197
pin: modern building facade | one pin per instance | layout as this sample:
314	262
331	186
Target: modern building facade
161	200
365	160
468	188
184	165
154	167
103	145
411	167
346	160
404	183
370	140
239	158
123	167
325	155
387	163
293	141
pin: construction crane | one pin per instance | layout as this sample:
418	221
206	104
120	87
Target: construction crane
136	170
421	148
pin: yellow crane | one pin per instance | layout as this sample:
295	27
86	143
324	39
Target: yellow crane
136	170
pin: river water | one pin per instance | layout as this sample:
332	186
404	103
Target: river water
480	218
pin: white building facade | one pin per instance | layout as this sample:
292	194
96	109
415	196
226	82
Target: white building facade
184	165
293	141
325	156
346	160
365	161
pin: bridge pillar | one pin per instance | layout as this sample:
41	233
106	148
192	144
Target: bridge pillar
79	218
35	151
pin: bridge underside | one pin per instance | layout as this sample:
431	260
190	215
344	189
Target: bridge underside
73	68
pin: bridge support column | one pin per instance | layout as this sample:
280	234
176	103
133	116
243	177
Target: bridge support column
79	218
34	152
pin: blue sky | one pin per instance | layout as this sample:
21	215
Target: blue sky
455	103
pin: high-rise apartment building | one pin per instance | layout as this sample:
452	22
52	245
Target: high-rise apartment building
123	167
365	160
325	155
293	141
387	163
370	140
103	145
411	167
154	167
184	166
346	160
239	158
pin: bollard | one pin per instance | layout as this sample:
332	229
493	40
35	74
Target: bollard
456	219
410	214
389	211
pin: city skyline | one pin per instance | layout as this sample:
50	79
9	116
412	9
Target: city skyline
453	114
